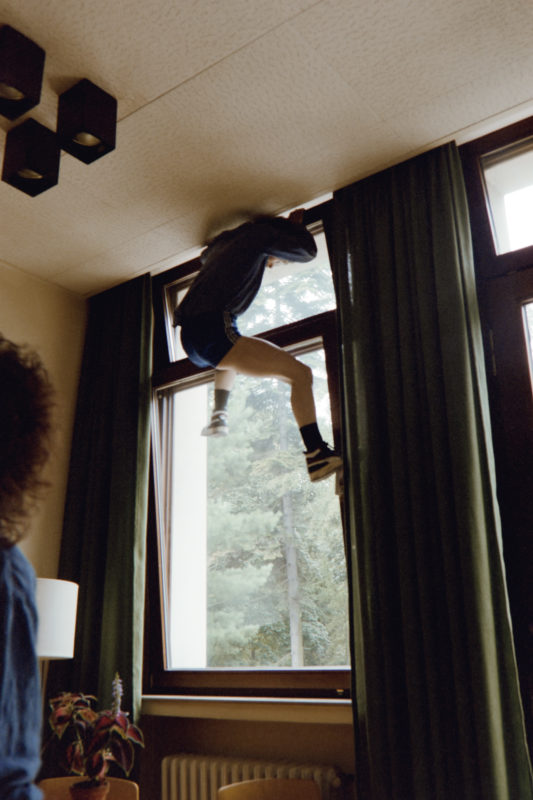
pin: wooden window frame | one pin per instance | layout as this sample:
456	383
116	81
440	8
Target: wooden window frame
504	284
488	263
315	682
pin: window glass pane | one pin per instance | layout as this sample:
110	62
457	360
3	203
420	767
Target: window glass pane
256	566
528	329
174	294
289	292
508	175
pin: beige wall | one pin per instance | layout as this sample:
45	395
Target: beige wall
51	321
306	743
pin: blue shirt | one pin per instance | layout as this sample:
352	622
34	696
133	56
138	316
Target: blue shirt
20	694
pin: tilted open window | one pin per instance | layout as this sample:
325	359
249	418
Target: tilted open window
250	594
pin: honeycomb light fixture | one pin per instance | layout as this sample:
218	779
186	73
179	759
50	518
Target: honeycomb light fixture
87	121
21	73
31	158
86	118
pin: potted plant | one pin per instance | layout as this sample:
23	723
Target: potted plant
90	741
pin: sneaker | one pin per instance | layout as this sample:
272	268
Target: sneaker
322	462
218	425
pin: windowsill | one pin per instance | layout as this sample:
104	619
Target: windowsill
336	712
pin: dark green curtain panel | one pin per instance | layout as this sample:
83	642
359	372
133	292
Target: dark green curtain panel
438	711
104	534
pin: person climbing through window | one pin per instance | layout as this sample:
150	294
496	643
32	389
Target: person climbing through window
230	277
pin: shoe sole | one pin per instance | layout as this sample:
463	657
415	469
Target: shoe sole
320	471
217	434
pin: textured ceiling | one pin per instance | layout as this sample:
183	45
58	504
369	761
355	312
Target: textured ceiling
226	105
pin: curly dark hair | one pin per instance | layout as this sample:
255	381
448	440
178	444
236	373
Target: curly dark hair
25	427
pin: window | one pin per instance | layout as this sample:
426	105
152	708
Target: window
253	578
505	290
498	171
508	177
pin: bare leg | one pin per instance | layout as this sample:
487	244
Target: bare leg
259	358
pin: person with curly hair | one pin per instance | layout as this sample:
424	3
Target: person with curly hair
25	427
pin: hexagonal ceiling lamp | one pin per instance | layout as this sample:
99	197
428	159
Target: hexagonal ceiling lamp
31	158
87	121
21	73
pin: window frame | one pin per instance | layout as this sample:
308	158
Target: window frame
315	682
504	285
488	263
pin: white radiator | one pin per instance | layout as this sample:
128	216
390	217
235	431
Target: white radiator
197	777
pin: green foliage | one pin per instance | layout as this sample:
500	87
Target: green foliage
261	509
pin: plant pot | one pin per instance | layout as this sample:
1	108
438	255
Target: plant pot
86	790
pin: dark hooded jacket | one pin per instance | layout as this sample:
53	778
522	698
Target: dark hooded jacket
234	263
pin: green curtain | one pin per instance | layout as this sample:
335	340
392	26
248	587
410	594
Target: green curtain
437	706
104	533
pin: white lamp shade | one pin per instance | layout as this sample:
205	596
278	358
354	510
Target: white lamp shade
56	606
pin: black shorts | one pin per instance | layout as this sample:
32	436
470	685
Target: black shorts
207	338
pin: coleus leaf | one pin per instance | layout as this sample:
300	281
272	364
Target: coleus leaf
122	752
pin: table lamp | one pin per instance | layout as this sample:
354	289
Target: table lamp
57	602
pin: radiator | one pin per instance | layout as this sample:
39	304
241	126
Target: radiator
197	777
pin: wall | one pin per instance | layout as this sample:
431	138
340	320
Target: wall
51	321
307	743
